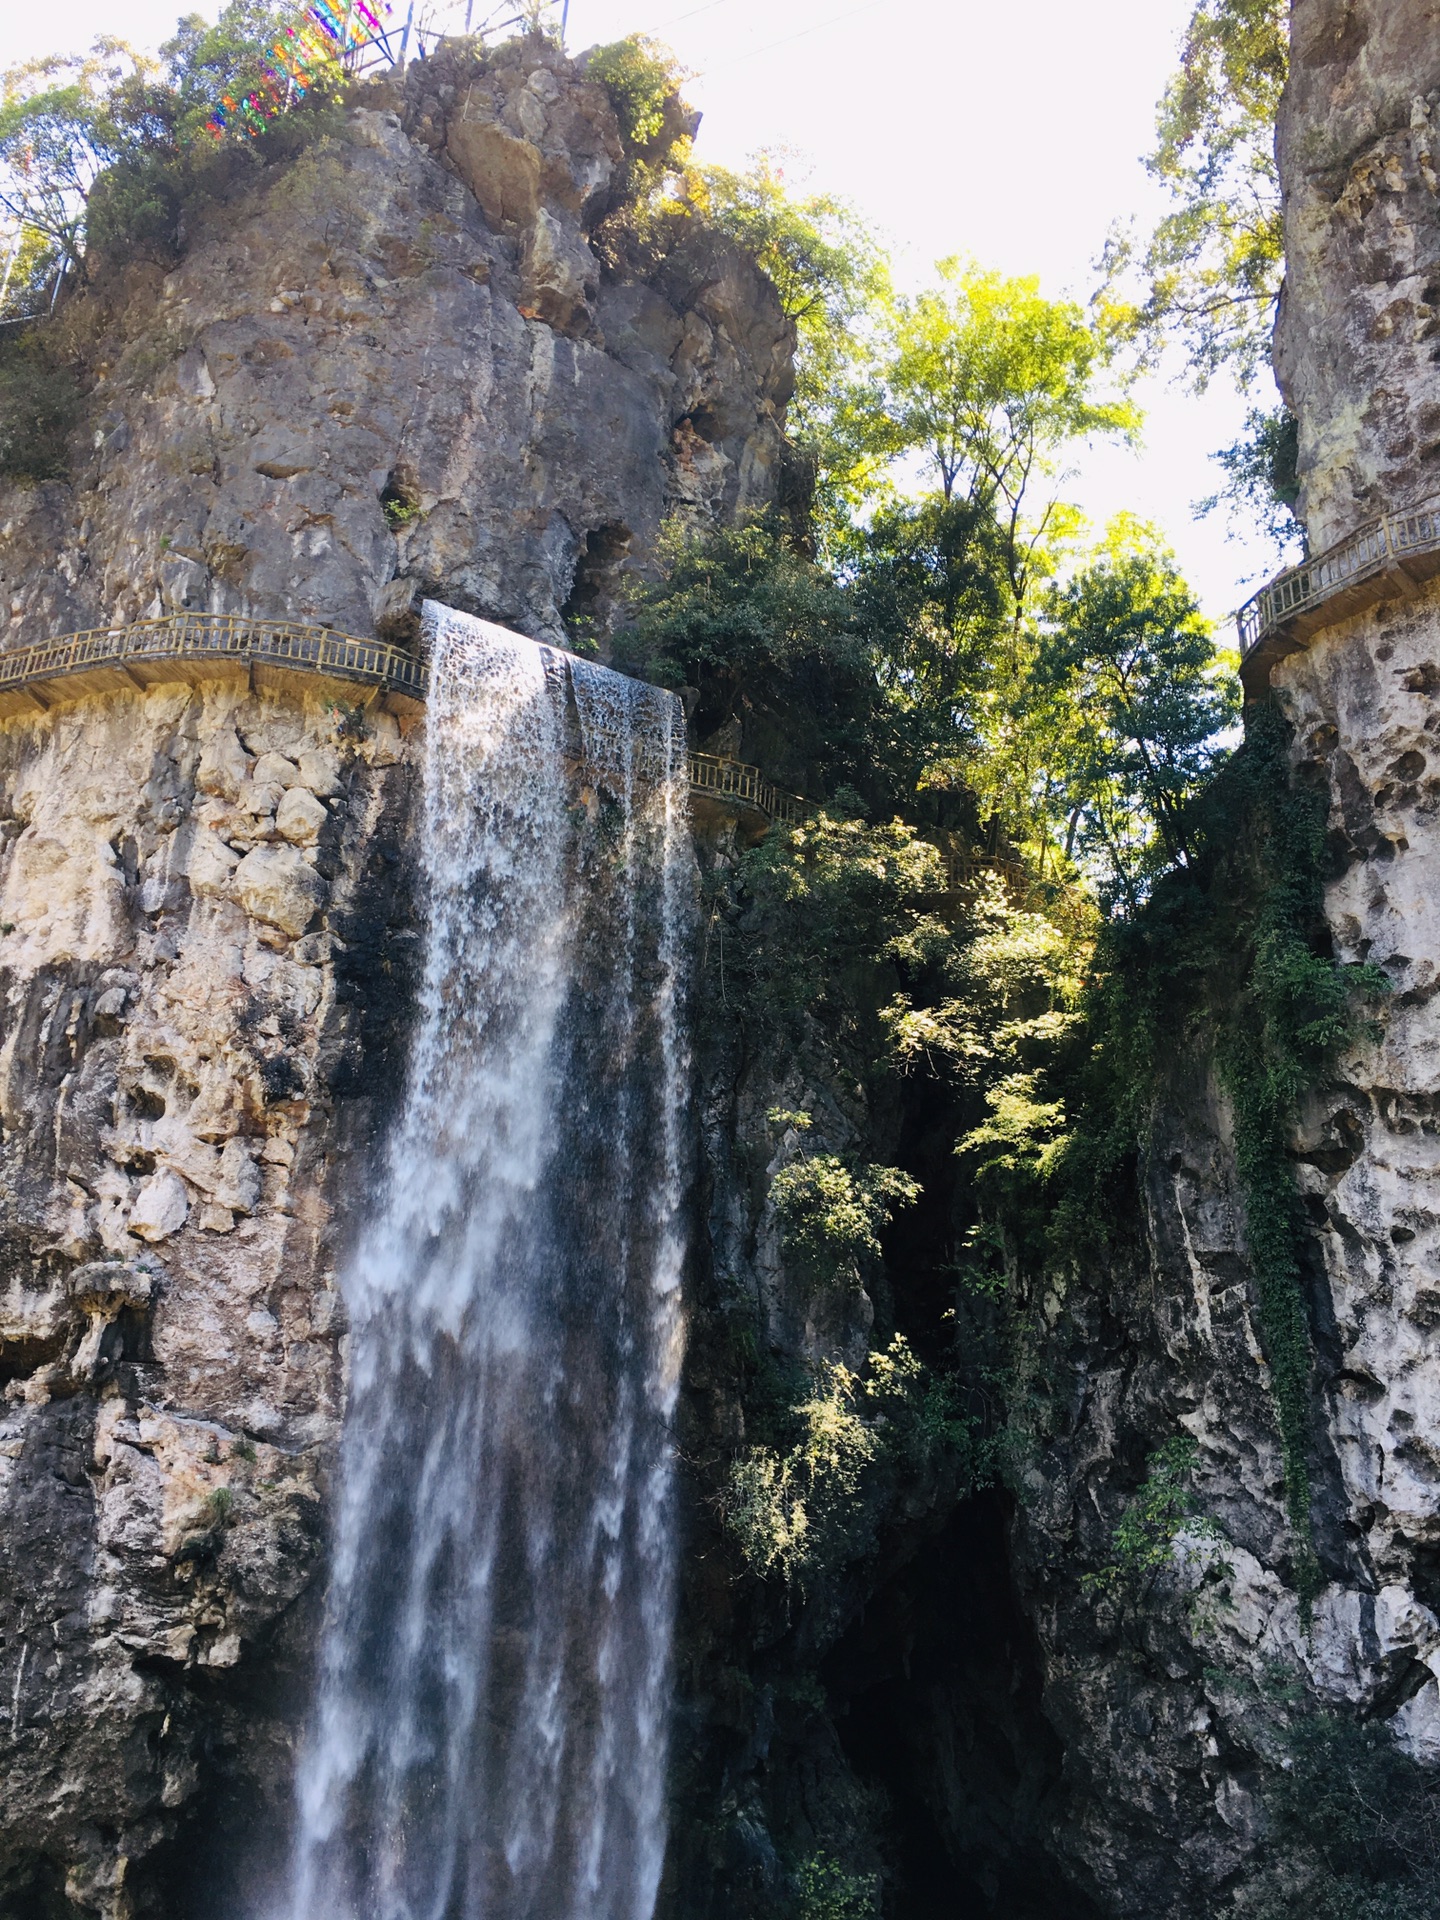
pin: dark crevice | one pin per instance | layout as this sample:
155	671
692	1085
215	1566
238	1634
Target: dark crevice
938	1688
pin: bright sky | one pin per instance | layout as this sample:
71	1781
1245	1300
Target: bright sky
1011	133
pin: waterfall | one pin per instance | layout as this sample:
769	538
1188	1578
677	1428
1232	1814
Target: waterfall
488	1740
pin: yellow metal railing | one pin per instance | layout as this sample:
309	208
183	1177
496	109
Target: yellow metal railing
1368	552
222	636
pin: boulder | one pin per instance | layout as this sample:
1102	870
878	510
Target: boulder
275	884
161	1206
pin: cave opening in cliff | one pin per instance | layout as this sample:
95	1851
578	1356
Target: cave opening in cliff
938	1709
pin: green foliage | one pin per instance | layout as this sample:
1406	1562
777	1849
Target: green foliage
990	383
806	1509
739	602
756	628
39	405
1212	268
1143	1543
642	78
826	1890
833	282
98	151
827	912
1262	485
218	1506
830	1215
1357	1823
1135	659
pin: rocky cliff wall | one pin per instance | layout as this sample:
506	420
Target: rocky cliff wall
1174	1714
397	366
207	941
1359	149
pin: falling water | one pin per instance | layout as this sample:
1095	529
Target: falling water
489	1735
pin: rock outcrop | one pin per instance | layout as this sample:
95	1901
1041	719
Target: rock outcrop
1359	149
207	940
397	366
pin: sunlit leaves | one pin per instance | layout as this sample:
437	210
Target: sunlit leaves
1210	273
990	382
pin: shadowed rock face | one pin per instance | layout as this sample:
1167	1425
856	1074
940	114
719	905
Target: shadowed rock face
396	366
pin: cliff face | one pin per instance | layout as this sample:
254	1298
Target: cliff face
207	942
208	930
412	317
1359	151
1172	1715
409	362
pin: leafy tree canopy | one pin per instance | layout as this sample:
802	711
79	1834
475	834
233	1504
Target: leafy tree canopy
1135	659
989	382
1210	272
96	149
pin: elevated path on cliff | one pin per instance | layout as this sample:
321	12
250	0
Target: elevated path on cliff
1388	558
195	647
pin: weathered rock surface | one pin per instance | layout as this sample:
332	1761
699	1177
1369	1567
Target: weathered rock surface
1359	147
398	367
191	1066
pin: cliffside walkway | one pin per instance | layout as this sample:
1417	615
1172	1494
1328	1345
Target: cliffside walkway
1386	559
198	646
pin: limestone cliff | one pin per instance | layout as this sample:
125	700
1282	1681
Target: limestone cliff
395	365
1170	1747
398	367
427	358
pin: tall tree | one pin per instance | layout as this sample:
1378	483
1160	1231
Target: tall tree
1133	659
990	383
1210	272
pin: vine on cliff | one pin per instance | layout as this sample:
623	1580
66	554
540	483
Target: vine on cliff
1235	945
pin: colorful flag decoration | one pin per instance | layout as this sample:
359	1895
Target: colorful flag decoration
328	30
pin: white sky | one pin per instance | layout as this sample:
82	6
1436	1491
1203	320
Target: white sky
1011	133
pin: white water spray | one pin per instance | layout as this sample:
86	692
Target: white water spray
489	1732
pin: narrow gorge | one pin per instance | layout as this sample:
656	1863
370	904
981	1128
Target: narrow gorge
621	1297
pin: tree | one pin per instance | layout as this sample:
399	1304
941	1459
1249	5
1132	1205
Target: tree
1261	484
990	382
58	133
1211	270
98	148
1134	658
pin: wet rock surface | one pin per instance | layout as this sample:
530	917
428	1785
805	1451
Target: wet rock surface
190	1080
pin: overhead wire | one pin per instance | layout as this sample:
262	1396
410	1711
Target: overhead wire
818	26
753	53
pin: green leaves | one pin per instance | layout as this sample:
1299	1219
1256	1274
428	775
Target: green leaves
98	149
642	78
990	382
805	1510
830	1215
1211	269
1164	1508
1135	660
